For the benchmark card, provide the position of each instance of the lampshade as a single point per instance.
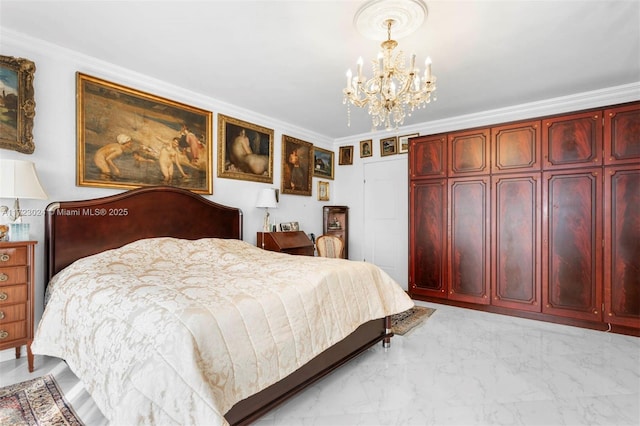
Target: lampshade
(18, 179)
(267, 199)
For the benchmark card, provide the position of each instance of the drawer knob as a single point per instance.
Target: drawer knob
(1, 315)
(3, 334)
(3, 277)
(4, 257)
(3, 296)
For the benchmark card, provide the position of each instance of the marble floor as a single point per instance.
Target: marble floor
(461, 367)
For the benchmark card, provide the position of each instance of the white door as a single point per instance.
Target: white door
(386, 221)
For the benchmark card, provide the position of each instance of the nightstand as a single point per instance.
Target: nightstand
(16, 296)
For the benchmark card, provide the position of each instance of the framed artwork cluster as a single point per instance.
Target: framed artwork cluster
(388, 146)
(128, 138)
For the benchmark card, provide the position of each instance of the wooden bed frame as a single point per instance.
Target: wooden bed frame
(76, 229)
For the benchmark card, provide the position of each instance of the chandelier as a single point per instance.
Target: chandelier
(395, 89)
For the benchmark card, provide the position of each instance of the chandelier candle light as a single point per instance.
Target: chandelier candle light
(395, 90)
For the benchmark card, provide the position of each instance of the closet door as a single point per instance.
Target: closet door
(428, 157)
(516, 147)
(622, 246)
(428, 238)
(469, 152)
(572, 250)
(469, 241)
(516, 237)
(622, 135)
(572, 141)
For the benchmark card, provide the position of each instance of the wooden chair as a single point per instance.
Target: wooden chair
(330, 246)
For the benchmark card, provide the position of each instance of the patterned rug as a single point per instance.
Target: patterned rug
(35, 402)
(404, 321)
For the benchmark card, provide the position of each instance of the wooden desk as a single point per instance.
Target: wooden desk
(292, 242)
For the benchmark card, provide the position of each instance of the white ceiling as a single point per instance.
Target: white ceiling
(287, 59)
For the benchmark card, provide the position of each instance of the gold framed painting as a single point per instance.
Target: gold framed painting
(366, 148)
(346, 155)
(296, 166)
(245, 150)
(323, 191)
(322, 163)
(127, 138)
(403, 142)
(17, 104)
(388, 146)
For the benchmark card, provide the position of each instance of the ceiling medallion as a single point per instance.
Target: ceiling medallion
(395, 90)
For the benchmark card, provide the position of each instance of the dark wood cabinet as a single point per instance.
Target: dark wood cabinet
(622, 135)
(291, 242)
(516, 147)
(428, 238)
(622, 246)
(538, 218)
(335, 221)
(572, 249)
(515, 242)
(469, 152)
(572, 141)
(469, 239)
(429, 159)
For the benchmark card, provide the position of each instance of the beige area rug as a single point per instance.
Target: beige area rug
(35, 402)
(404, 321)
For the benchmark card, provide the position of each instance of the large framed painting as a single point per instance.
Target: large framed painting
(296, 166)
(17, 104)
(127, 138)
(245, 150)
(322, 163)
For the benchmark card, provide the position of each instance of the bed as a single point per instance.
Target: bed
(135, 309)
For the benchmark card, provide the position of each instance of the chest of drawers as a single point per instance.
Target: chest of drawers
(16, 296)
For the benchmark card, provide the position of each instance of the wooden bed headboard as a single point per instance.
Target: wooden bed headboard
(76, 229)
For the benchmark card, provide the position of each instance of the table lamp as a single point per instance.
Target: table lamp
(267, 200)
(18, 179)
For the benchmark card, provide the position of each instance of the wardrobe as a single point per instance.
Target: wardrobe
(538, 218)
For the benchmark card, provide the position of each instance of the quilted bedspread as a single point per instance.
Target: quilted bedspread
(170, 331)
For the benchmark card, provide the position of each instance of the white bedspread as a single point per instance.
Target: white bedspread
(168, 331)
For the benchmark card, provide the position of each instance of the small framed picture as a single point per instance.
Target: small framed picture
(388, 146)
(366, 148)
(323, 191)
(322, 163)
(403, 142)
(285, 227)
(346, 155)
(289, 226)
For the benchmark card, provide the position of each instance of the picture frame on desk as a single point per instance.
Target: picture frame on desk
(289, 226)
